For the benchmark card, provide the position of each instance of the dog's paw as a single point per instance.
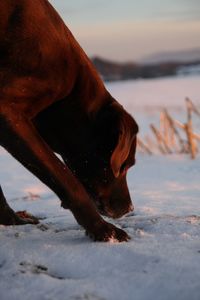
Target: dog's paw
(23, 217)
(9, 217)
(106, 232)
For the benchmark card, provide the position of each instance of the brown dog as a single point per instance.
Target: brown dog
(53, 100)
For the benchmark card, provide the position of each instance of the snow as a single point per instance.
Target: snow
(140, 95)
(56, 260)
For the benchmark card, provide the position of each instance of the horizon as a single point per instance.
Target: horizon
(131, 31)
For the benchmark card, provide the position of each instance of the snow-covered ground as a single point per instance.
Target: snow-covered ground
(55, 260)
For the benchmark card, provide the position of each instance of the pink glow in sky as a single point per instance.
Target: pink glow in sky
(128, 30)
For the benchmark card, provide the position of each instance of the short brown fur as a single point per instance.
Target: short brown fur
(52, 100)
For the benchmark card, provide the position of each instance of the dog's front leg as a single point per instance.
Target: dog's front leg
(19, 136)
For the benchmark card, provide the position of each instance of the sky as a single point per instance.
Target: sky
(129, 30)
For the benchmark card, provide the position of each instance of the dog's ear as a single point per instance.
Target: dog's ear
(126, 137)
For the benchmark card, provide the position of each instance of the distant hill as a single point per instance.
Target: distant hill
(173, 56)
(111, 70)
(168, 64)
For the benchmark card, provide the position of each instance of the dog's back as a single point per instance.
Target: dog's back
(40, 57)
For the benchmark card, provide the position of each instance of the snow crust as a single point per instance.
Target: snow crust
(56, 260)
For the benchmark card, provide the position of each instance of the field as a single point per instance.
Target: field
(55, 260)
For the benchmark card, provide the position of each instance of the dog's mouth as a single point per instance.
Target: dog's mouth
(102, 204)
(106, 211)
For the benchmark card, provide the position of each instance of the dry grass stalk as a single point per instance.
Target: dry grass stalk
(164, 130)
(189, 133)
(175, 131)
(182, 126)
(144, 147)
(160, 140)
(192, 106)
(169, 139)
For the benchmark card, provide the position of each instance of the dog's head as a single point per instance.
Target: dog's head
(102, 157)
